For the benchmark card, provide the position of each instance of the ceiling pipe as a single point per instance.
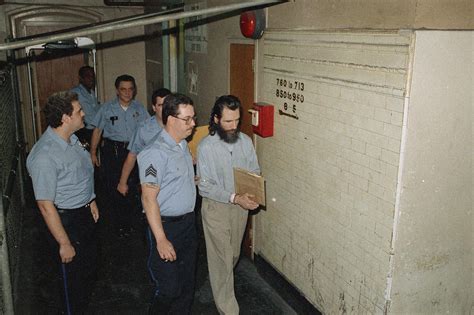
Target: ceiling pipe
(133, 22)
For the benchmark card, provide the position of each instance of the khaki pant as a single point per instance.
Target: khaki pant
(224, 228)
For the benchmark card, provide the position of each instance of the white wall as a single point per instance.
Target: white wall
(433, 250)
(332, 173)
(212, 66)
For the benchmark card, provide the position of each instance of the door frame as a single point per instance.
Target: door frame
(20, 23)
(249, 239)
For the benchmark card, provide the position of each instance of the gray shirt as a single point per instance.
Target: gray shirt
(169, 165)
(89, 104)
(61, 172)
(216, 160)
(145, 134)
(119, 124)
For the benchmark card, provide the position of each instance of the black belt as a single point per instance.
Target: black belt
(86, 206)
(123, 144)
(175, 218)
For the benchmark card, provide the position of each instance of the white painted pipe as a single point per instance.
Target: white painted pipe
(134, 22)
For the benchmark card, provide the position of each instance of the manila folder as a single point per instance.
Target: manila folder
(246, 182)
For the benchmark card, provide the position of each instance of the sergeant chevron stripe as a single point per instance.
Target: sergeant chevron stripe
(150, 170)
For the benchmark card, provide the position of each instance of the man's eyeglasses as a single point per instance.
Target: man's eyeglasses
(187, 120)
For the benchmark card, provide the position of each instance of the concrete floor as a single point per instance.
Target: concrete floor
(123, 285)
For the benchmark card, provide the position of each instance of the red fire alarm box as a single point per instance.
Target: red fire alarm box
(262, 119)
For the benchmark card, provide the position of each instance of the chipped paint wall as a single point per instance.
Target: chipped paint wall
(433, 248)
(332, 164)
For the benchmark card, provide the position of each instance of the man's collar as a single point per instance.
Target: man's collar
(168, 139)
(117, 102)
(61, 142)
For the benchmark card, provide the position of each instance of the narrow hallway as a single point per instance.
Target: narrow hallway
(123, 285)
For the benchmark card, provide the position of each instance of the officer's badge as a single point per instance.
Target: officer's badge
(150, 171)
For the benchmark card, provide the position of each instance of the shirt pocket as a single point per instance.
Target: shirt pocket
(177, 170)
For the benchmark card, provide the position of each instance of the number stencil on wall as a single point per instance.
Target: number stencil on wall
(291, 93)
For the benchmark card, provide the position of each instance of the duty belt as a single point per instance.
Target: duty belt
(86, 206)
(169, 219)
(122, 144)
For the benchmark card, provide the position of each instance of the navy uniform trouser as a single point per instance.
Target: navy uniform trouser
(174, 281)
(77, 277)
(124, 211)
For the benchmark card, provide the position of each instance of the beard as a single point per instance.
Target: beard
(228, 136)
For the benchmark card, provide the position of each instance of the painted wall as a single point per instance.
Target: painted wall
(373, 14)
(433, 248)
(332, 174)
(331, 166)
(212, 64)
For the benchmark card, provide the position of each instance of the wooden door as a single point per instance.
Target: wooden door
(242, 81)
(55, 75)
(242, 86)
(54, 71)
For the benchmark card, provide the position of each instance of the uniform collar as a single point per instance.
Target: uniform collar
(60, 141)
(117, 103)
(170, 141)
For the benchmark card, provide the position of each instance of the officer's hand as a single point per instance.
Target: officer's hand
(245, 201)
(94, 211)
(122, 188)
(166, 250)
(95, 160)
(67, 252)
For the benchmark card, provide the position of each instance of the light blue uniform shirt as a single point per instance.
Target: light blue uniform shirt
(118, 124)
(61, 172)
(89, 104)
(145, 134)
(216, 160)
(169, 165)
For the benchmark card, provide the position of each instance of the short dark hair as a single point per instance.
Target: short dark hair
(84, 69)
(125, 77)
(57, 105)
(162, 92)
(171, 105)
(229, 101)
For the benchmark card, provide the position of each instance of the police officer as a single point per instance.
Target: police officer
(117, 121)
(63, 182)
(168, 195)
(86, 93)
(145, 133)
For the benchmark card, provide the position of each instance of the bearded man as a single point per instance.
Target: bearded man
(224, 213)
